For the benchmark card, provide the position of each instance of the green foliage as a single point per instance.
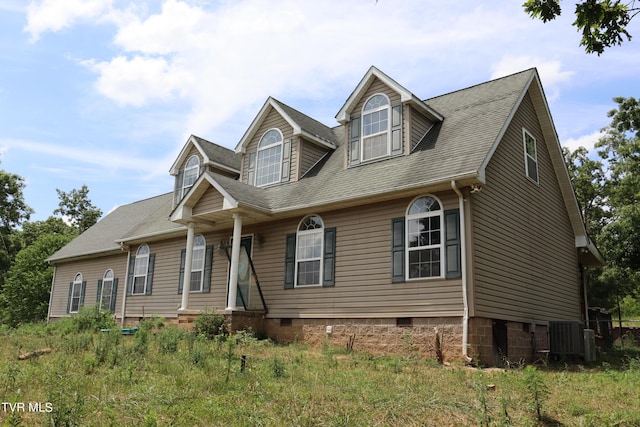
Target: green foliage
(210, 324)
(169, 338)
(538, 391)
(603, 23)
(93, 319)
(25, 294)
(77, 207)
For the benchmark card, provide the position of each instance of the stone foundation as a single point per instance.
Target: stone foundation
(415, 336)
(524, 342)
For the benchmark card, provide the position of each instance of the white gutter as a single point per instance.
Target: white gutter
(53, 282)
(124, 294)
(463, 265)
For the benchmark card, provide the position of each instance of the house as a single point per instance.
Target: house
(451, 217)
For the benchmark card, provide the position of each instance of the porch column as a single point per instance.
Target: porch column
(186, 280)
(235, 257)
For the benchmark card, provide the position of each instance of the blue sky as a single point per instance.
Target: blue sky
(106, 92)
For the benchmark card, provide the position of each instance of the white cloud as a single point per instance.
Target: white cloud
(54, 15)
(551, 73)
(586, 141)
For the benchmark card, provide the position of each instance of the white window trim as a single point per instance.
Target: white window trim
(146, 271)
(526, 133)
(185, 188)
(104, 280)
(202, 247)
(320, 258)
(408, 217)
(76, 282)
(373, 135)
(267, 147)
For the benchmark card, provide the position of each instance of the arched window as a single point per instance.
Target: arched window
(269, 160)
(424, 238)
(75, 294)
(106, 291)
(191, 171)
(375, 127)
(309, 251)
(140, 270)
(197, 264)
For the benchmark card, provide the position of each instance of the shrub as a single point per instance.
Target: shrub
(93, 318)
(210, 324)
(168, 339)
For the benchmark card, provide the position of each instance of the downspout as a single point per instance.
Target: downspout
(124, 294)
(463, 265)
(53, 282)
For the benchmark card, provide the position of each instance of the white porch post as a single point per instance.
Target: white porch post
(186, 280)
(235, 257)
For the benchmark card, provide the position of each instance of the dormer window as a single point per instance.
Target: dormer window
(269, 158)
(375, 127)
(187, 177)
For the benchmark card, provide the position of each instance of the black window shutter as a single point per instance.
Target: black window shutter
(114, 294)
(452, 243)
(251, 169)
(396, 129)
(99, 290)
(397, 250)
(132, 263)
(354, 141)
(208, 262)
(70, 297)
(152, 261)
(82, 292)
(290, 262)
(329, 273)
(286, 160)
(178, 188)
(183, 255)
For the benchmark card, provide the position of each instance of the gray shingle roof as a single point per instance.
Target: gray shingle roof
(101, 238)
(219, 154)
(454, 148)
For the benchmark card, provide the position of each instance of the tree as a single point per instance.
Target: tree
(33, 230)
(13, 212)
(25, 295)
(76, 206)
(603, 23)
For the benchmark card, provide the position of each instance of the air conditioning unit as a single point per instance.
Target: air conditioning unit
(566, 338)
(589, 345)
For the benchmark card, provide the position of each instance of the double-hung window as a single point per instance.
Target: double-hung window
(197, 264)
(375, 127)
(107, 293)
(76, 293)
(424, 238)
(530, 156)
(191, 171)
(140, 269)
(309, 251)
(269, 158)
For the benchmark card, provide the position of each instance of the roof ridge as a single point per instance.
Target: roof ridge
(480, 84)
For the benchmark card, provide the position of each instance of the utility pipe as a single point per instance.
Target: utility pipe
(463, 264)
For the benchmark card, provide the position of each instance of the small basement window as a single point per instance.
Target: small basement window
(403, 322)
(286, 322)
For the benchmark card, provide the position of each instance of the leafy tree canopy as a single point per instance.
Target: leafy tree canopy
(77, 207)
(25, 295)
(603, 23)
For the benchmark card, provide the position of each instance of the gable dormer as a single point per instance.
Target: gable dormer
(383, 119)
(197, 156)
(281, 145)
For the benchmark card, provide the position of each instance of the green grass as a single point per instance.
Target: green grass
(173, 378)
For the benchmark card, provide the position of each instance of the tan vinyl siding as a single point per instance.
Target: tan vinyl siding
(419, 127)
(92, 270)
(273, 120)
(211, 201)
(309, 156)
(525, 261)
(363, 285)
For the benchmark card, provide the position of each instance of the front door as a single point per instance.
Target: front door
(244, 271)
